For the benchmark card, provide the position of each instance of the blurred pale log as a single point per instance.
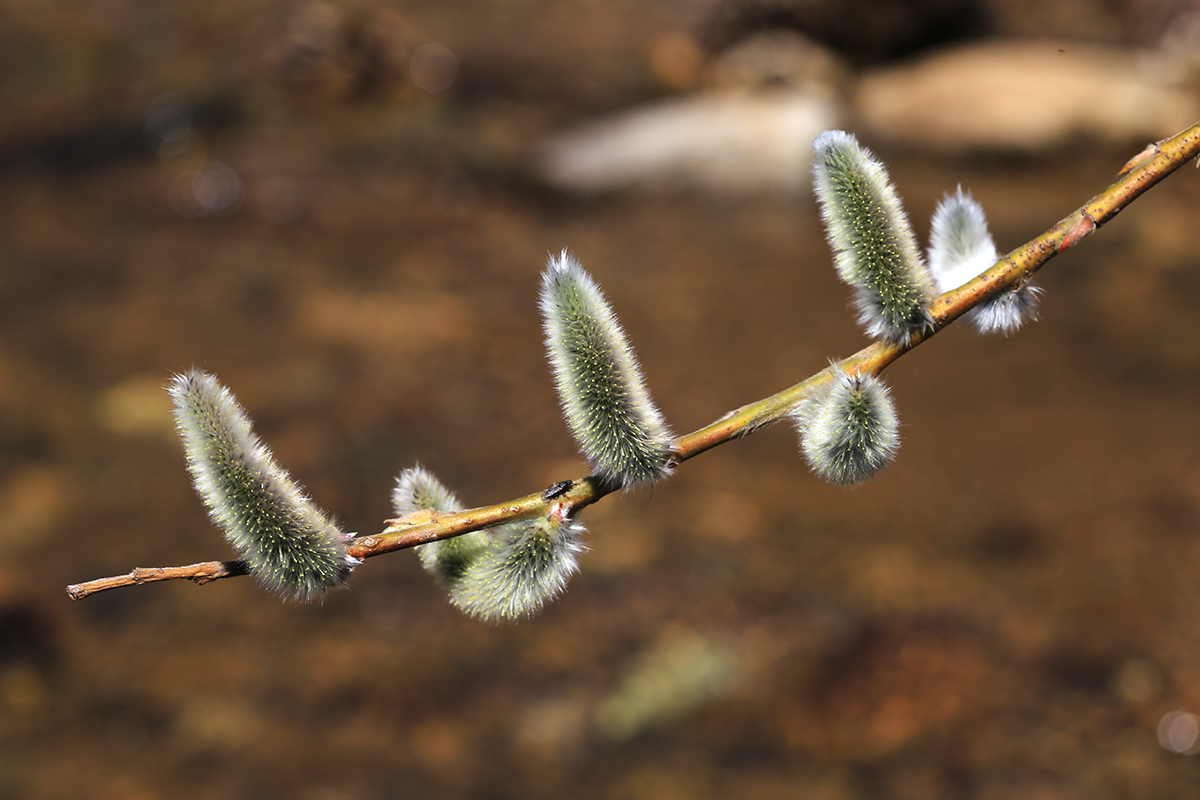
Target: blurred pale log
(724, 143)
(1023, 96)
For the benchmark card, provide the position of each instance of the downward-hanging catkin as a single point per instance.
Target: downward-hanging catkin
(849, 429)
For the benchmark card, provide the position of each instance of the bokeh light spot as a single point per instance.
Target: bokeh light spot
(433, 67)
(213, 190)
(168, 124)
(1178, 731)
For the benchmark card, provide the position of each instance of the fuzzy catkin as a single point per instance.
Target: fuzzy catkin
(874, 248)
(447, 559)
(849, 430)
(603, 395)
(960, 246)
(961, 249)
(528, 566)
(417, 489)
(288, 543)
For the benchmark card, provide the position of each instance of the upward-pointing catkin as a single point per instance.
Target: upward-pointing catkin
(873, 243)
(603, 396)
(961, 249)
(285, 539)
(418, 490)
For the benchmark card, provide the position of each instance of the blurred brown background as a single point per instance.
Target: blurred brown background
(338, 209)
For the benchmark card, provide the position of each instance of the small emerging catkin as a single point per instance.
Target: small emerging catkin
(874, 248)
(528, 565)
(961, 249)
(849, 430)
(418, 490)
(285, 539)
(603, 396)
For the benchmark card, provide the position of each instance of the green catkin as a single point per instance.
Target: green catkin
(288, 543)
(529, 565)
(603, 396)
(875, 250)
(447, 559)
(849, 430)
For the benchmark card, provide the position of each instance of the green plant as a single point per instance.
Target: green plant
(506, 560)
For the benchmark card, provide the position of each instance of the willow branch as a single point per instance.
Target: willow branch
(1142, 172)
(197, 573)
